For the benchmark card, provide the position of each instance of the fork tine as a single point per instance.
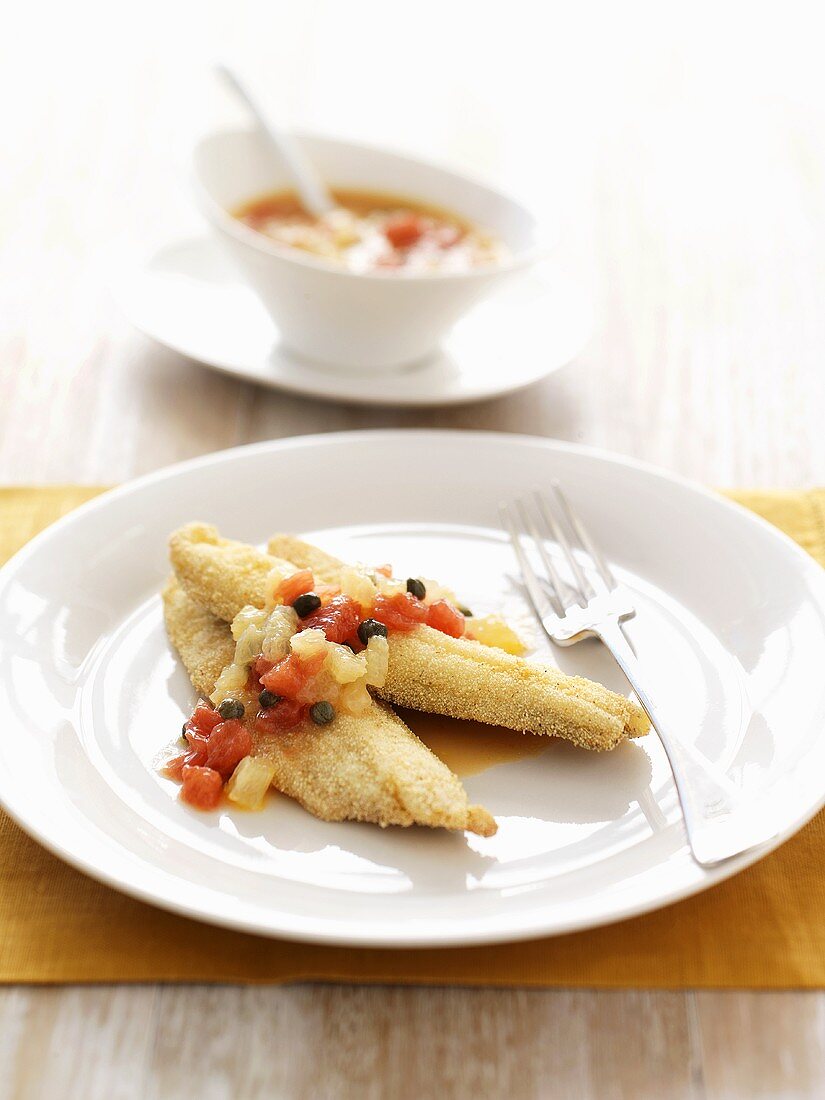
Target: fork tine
(586, 589)
(540, 602)
(578, 528)
(554, 581)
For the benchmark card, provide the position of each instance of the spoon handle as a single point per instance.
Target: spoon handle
(315, 197)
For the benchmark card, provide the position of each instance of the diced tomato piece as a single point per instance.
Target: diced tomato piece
(338, 619)
(290, 589)
(290, 674)
(261, 667)
(229, 743)
(204, 719)
(402, 611)
(441, 615)
(403, 230)
(282, 716)
(174, 766)
(312, 665)
(201, 787)
(408, 604)
(284, 678)
(198, 744)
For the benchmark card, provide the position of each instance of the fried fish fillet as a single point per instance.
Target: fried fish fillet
(433, 672)
(428, 670)
(370, 768)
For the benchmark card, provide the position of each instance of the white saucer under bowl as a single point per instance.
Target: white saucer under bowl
(189, 297)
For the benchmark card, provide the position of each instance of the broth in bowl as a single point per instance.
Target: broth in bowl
(371, 232)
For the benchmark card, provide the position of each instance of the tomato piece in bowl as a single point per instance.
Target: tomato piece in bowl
(404, 230)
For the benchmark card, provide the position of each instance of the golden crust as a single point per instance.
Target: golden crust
(203, 641)
(220, 574)
(305, 556)
(463, 679)
(430, 671)
(369, 768)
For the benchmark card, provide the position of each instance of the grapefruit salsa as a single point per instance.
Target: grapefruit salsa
(314, 651)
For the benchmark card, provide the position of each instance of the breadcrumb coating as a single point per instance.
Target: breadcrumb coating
(430, 671)
(220, 574)
(460, 678)
(370, 768)
(306, 556)
(203, 641)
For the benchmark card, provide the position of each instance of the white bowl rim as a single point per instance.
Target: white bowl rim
(231, 225)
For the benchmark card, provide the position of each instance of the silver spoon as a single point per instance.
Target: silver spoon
(315, 198)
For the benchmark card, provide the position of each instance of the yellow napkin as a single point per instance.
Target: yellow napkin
(763, 928)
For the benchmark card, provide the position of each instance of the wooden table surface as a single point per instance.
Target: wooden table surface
(684, 157)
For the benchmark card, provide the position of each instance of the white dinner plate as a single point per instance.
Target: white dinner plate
(730, 631)
(189, 297)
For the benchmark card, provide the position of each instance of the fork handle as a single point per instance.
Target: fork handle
(717, 824)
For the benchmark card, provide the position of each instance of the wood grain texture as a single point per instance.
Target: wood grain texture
(686, 152)
(223, 1042)
(336, 1041)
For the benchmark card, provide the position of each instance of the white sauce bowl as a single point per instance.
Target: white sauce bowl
(341, 318)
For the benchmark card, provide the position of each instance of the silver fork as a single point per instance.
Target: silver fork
(595, 605)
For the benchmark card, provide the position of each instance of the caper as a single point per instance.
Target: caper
(370, 628)
(230, 708)
(416, 587)
(465, 611)
(322, 713)
(183, 732)
(306, 604)
(268, 699)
